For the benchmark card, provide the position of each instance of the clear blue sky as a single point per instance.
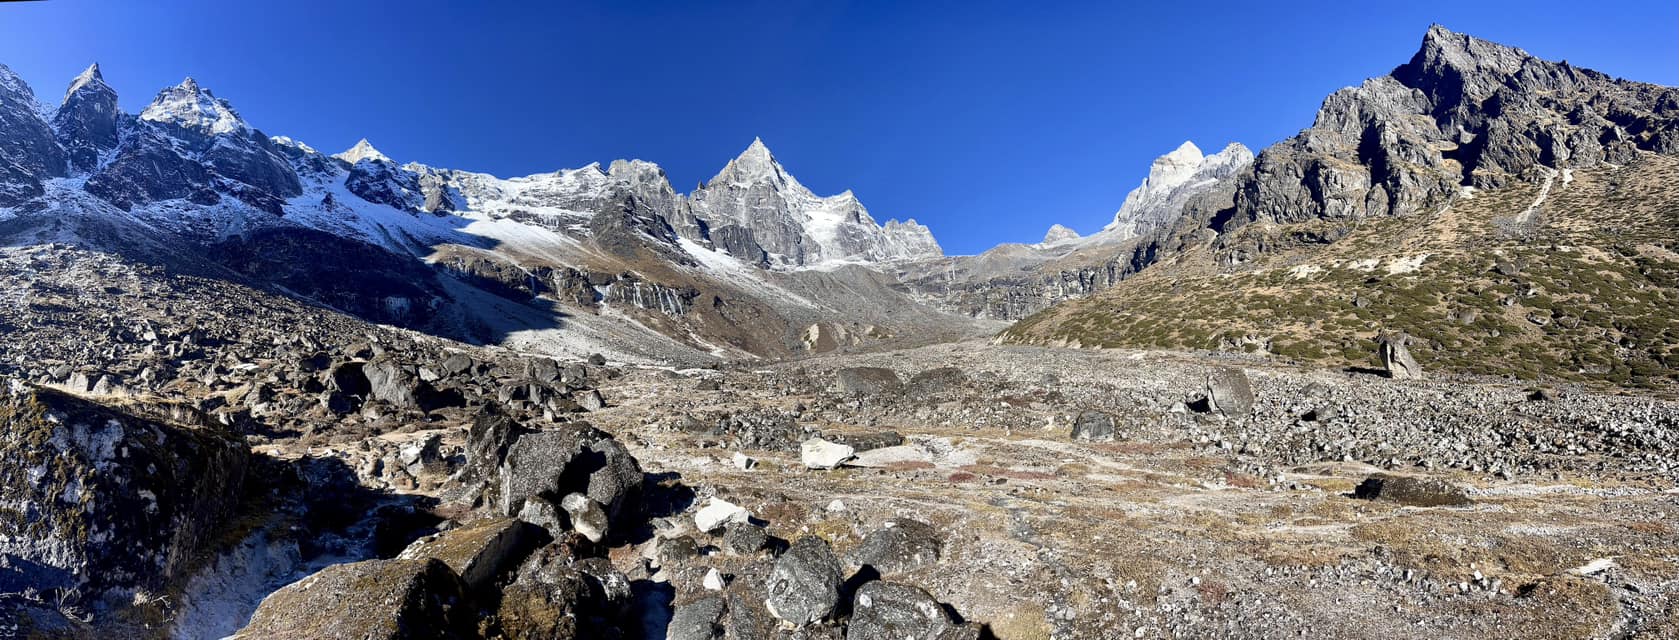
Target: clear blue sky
(986, 121)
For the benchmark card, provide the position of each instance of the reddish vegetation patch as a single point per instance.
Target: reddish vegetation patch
(909, 465)
(1243, 480)
(963, 476)
(1213, 593)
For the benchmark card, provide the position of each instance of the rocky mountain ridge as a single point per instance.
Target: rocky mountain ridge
(1506, 210)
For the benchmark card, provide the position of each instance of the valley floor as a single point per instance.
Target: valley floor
(1190, 525)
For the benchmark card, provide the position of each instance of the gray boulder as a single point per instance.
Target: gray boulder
(890, 611)
(102, 501)
(1410, 490)
(1094, 426)
(698, 620)
(804, 583)
(369, 600)
(1396, 358)
(1229, 392)
(900, 545)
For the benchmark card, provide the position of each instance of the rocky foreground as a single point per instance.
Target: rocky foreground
(384, 484)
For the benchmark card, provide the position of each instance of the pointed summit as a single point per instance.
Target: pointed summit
(86, 121)
(189, 106)
(754, 165)
(1447, 54)
(89, 78)
(362, 151)
(1058, 234)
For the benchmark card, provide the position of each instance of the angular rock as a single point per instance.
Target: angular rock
(889, 611)
(744, 538)
(804, 583)
(817, 453)
(586, 515)
(478, 553)
(900, 545)
(698, 620)
(1229, 392)
(1396, 358)
(1094, 426)
(1410, 490)
(369, 600)
(542, 513)
(718, 512)
(937, 381)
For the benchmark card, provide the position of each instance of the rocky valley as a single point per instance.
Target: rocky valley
(1410, 373)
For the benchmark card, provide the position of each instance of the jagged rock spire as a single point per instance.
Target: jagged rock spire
(86, 122)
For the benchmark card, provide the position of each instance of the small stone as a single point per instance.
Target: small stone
(713, 580)
(743, 461)
(587, 516)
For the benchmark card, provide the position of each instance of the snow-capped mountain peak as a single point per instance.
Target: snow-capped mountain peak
(89, 77)
(363, 150)
(1172, 179)
(189, 106)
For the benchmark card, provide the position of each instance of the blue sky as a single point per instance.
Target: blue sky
(986, 121)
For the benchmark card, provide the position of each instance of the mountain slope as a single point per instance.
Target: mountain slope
(1512, 214)
(595, 259)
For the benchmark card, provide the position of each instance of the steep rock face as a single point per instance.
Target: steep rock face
(1462, 112)
(795, 226)
(86, 122)
(99, 500)
(28, 151)
(376, 178)
(1173, 179)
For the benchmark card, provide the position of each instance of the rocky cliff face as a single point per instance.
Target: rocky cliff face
(86, 122)
(1172, 181)
(28, 152)
(1463, 112)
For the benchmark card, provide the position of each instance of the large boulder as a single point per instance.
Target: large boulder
(1094, 426)
(804, 583)
(574, 458)
(479, 553)
(1410, 490)
(868, 381)
(698, 620)
(817, 453)
(890, 611)
(1229, 392)
(558, 595)
(369, 600)
(106, 502)
(1396, 358)
(901, 544)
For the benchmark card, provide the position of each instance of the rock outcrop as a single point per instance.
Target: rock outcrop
(105, 502)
